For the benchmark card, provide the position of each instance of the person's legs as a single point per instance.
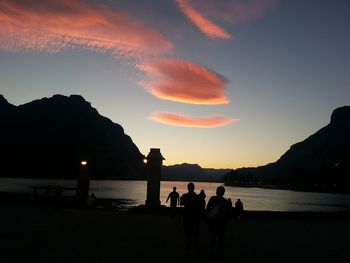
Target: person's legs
(189, 244)
(212, 242)
(195, 243)
(173, 211)
(196, 236)
(220, 241)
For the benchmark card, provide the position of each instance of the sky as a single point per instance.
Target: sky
(220, 83)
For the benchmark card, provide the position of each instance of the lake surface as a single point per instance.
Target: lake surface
(252, 198)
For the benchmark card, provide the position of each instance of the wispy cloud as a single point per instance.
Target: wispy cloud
(183, 81)
(202, 23)
(55, 24)
(174, 119)
(236, 11)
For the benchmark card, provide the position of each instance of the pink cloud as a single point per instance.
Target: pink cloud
(183, 81)
(237, 11)
(186, 121)
(53, 25)
(203, 24)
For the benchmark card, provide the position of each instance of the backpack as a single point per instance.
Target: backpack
(214, 213)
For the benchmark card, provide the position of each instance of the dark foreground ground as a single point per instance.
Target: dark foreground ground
(44, 234)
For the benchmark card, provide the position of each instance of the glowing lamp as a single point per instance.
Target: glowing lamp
(82, 193)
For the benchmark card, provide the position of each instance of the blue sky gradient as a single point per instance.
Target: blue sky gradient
(286, 71)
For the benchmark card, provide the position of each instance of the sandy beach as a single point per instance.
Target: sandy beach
(44, 234)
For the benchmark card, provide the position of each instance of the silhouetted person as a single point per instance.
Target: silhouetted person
(35, 196)
(174, 200)
(58, 196)
(191, 217)
(92, 200)
(239, 208)
(202, 197)
(48, 195)
(48, 192)
(232, 209)
(218, 210)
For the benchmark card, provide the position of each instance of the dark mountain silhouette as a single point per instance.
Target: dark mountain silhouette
(320, 161)
(192, 172)
(47, 138)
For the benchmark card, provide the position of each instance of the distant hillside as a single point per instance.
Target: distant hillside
(46, 138)
(192, 172)
(322, 160)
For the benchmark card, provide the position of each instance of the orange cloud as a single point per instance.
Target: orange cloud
(55, 24)
(235, 10)
(183, 81)
(186, 121)
(203, 24)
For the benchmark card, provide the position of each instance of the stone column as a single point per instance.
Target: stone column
(154, 165)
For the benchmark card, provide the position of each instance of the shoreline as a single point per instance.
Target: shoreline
(306, 189)
(130, 207)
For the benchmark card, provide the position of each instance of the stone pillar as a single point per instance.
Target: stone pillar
(82, 194)
(154, 165)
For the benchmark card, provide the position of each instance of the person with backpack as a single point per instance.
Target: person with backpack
(217, 213)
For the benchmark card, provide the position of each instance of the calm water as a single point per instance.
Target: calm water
(253, 198)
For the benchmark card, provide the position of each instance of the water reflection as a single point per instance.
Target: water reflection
(253, 198)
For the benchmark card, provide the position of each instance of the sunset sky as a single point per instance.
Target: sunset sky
(221, 83)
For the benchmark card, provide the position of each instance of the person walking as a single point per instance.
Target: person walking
(217, 213)
(202, 202)
(239, 208)
(174, 201)
(191, 218)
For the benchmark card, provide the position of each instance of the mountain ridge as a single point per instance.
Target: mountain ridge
(192, 172)
(322, 159)
(48, 136)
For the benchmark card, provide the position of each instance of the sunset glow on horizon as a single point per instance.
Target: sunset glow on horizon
(221, 83)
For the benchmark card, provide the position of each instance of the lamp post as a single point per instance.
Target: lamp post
(154, 165)
(83, 183)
